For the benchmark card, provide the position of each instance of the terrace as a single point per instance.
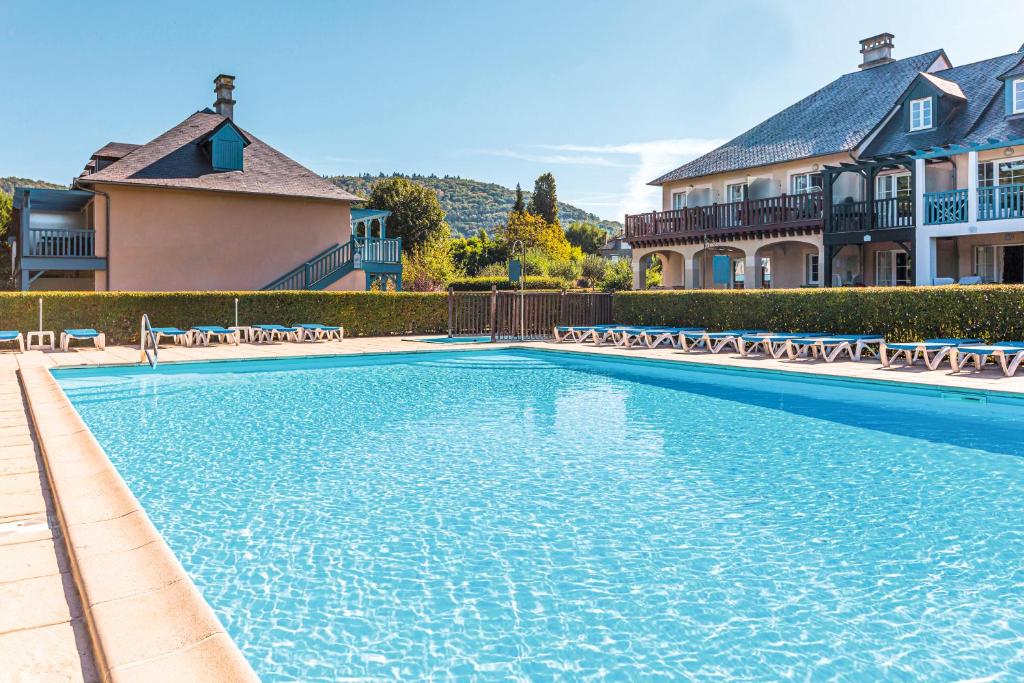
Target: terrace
(52, 236)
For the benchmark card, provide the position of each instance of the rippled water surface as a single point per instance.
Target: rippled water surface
(526, 515)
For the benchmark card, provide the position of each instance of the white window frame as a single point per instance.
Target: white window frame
(879, 180)
(920, 105)
(1017, 94)
(746, 191)
(993, 165)
(812, 269)
(992, 260)
(807, 183)
(672, 200)
(891, 278)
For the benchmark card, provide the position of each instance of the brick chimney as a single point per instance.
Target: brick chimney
(877, 50)
(223, 86)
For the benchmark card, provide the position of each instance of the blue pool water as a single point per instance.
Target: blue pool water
(535, 515)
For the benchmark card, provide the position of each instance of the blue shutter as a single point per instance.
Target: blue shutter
(1009, 96)
(721, 267)
(227, 155)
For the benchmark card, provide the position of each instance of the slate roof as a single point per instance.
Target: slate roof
(834, 119)
(176, 160)
(981, 117)
(115, 150)
(948, 87)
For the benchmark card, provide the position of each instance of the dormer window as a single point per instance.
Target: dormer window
(921, 114)
(1018, 96)
(224, 147)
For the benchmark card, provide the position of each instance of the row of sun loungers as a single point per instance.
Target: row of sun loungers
(201, 335)
(1009, 355)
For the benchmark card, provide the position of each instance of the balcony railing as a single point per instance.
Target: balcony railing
(942, 208)
(880, 214)
(772, 211)
(60, 242)
(1000, 202)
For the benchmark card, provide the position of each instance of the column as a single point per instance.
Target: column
(924, 247)
(750, 272)
(638, 272)
(972, 187)
(689, 272)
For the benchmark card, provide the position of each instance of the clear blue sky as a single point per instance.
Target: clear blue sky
(606, 95)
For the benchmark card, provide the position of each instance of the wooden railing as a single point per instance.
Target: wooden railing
(1000, 202)
(387, 250)
(60, 242)
(781, 210)
(948, 206)
(371, 250)
(880, 214)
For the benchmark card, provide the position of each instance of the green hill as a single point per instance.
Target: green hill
(471, 204)
(8, 183)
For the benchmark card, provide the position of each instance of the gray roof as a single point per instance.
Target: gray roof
(833, 119)
(115, 150)
(176, 160)
(981, 117)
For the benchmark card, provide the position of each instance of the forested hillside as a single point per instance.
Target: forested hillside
(472, 204)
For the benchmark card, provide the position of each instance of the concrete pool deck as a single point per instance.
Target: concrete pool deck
(91, 615)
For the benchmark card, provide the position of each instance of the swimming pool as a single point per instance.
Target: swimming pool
(533, 514)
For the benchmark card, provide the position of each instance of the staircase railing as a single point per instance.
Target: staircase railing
(146, 337)
(325, 263)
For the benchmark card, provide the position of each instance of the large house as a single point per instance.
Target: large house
(204, 206)
(906, 171)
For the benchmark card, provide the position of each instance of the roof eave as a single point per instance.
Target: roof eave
(157, 186)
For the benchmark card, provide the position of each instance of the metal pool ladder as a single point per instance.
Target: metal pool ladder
(147, 336)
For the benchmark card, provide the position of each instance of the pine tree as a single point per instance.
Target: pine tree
(544, 201)
(520, 205)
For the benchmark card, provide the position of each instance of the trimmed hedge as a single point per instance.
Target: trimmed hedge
(118, 313)
(484, 284)
(991, 312)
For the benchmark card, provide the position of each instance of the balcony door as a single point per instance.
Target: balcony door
(892, 268)
(893, 200)
(1006, 198)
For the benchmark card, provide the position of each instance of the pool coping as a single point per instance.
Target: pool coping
(145, 616)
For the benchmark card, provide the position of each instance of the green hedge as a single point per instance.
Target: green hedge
(993, 312)
(118, 313)
(484, 284)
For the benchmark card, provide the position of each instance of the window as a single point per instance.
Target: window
(766, 272)
(736, 192)
(1000, 173)
(678, 200)
(812, 275)
(921, 113)
(986, 177)
(985, 263)
(895, 185)
(739, 271)
(805, 182)
(892, 268)
(1018, 96)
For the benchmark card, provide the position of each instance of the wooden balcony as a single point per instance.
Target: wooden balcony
(880, 214)
(740, 219)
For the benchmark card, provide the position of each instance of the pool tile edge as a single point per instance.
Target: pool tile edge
(182, 633)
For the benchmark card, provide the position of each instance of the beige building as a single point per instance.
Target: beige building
(204, 206)
(824, 192)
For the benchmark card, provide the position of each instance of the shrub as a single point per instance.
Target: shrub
(619, 276)
(594, 268)
(992, 312)
(118, 313)
(481, 284)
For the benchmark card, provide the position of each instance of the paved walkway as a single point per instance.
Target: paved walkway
(42, 636)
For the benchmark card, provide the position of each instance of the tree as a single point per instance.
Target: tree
(5, 214)
(618, 277)
(416, 214)
(586, 236)
(520, 205)
(473, 254)
(534, 231)
(544, 201)
(429, 266)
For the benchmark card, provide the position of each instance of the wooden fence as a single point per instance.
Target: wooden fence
(506, 315)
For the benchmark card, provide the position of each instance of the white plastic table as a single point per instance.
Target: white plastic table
(36, 339)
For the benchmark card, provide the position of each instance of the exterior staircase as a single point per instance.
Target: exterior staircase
(375, 256)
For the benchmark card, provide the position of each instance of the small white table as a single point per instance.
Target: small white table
(36, 339)
(245, 333)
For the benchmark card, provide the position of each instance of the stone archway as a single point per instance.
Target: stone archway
(673, 267)
(788, 264)
(703, 267)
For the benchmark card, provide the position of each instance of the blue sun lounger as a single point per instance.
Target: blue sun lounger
(82, 334)
(715, 342)
(13, 336)
(317, 332)
(652, 338)
(1009, 355)
(627, 337)
(774, 344)
(830, 347)
(268, 333)
(176, 335)
(203, 333)
(933, 351)
(578, 333)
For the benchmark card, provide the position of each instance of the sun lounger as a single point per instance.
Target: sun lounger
(14, 336)
(176, 335)
(715, 342)
(268, 333)
(317, 332)
(863, 344)
(203, 333)
(82, 334)
(578, 333)
(830, 348)
(772, 344)
(933, 351)
(1009, 355)
(654, 337)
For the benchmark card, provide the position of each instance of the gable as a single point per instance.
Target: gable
(225, 147)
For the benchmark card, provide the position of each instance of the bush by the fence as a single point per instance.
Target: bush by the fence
(118, 313)
(991, 312)
(484, 284)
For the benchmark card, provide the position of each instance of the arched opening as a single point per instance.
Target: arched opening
(662, 269)
(720, 267)
(789, 264)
